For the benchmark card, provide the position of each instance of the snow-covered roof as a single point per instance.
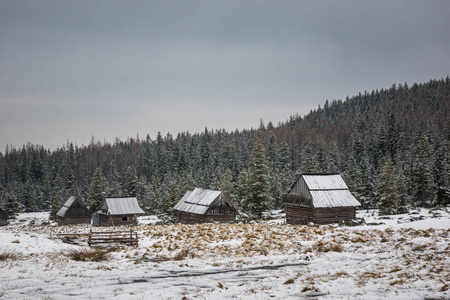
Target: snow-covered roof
(333, 198)
(67, 205)
(197, 201)
(325, 182)
(324, 190)
(121, 206)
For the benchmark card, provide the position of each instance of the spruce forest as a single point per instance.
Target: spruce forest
(391, 145)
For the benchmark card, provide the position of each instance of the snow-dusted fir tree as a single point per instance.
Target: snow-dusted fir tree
(365, 185)
(442, 174)
(169, 200)
(258, 198)
(11, 205)
(56, 205)
(154, 193)
(391, 190)
(115, 188)
(98, 190)
(46, 195)
(130, 182)
(228, 187)
(423, 177)
(141, 191)
(308, 163)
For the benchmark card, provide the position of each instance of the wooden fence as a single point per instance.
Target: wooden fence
(111, 237)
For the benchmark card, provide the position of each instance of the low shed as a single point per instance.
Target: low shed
(321, 199)
(3, 217)
(201, 205)
(117, 212)
(73, 212)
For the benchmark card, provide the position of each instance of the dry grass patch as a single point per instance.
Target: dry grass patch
(95, 255)
(9, 254)
(397, 281)
(322, 246)
(289, 281)
(183, 254)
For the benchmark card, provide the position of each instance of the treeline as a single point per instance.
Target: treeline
(405, 127)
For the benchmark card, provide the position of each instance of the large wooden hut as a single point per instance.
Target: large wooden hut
(201, 205)
(117, 212)
(3, 217)
(73, 212)
(321, 199)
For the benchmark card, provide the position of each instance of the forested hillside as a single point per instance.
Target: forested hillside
(391, 145)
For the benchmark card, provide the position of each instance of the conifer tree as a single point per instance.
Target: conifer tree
(98, 190)
(115, 188)
(242, 189)
(154, 193)
(308, 163)
(186, 183)
(422, 173)
(141, 191)
(442, 175)
(364, 188)
(12, 206)
(130, 182)
(56, 205)
(46, 196)
(169, 200)
(218, 174)
(258, 199)
(228, 187)
(352, 175)
(390, 197)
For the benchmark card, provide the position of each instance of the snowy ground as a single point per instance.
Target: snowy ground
(399, 257)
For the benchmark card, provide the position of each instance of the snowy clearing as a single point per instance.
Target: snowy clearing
(397, 257)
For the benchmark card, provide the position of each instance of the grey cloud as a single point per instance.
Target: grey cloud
(86, 58)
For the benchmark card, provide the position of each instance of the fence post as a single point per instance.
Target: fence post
(89, 237)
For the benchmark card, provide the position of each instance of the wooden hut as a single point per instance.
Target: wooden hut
(3, 217)
(321, 199)
(201, 205)
(73, 212)
(117, 212)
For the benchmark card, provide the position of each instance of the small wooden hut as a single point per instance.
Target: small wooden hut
(117, 212)
(73, 212)
(201, 205)
(3, 217)
(321, 199)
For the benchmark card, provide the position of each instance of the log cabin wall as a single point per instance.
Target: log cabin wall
(334, 215)
(74, 220)
(300, 187)
(304, 215)
(191, 218)
(119, 220)
(298, 215)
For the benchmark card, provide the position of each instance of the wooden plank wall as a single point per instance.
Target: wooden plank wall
(74, 220)
(298, 215)
(108, 220)
(334, 215)
(303, 215)
(190, 218)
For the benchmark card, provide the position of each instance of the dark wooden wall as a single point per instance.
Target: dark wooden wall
(190, 218)
(303, 215)
(74, 220)
(108, 220)
(77, 210)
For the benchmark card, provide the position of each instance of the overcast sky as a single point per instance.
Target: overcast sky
(70, 70)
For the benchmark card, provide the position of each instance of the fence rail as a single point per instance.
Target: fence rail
(111, 237)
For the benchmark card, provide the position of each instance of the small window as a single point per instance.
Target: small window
(124, 219)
